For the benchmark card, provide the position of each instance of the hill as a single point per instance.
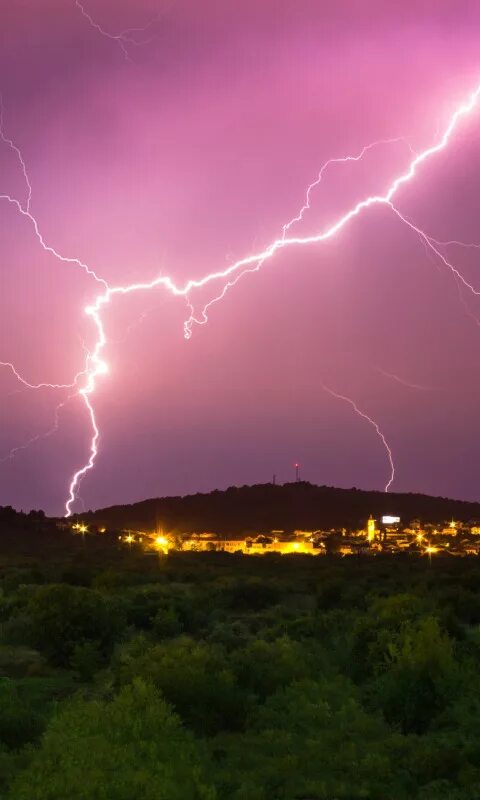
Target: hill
(266, 507)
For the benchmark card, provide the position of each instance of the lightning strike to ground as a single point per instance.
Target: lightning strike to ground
(374, 425)
(95, 365)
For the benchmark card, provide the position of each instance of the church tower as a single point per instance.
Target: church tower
(370, 529)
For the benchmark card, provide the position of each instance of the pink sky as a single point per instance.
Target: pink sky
(192, 154)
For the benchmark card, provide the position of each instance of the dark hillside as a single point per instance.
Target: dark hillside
(266, 507)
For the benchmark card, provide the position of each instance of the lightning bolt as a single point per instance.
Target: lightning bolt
(408, 384)
(39, 436)
(374, 425)
(24, 210)
(29, 385)
(339, 160)
(465, 246)
(457, 243)
(257, 261)
(193, 320)
(6, 140)
(95, 365)
(430, 244)
(47, 247)
(122, 39)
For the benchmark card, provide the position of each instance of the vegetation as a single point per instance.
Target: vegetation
(247, 509)
(207, 676)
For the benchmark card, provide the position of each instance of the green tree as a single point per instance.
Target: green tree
(193, 676)
(311, 740)
(19, 722)
(375, 630)
(166, 623)
(420, 676)
(64, 617)
(130, 748)
(263, 667)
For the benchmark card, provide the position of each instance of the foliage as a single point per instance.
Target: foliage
(193, 676)
(266, 507)
(130, 748)
(209, 676)
(310, 740)
(19, 721)
(64, 617)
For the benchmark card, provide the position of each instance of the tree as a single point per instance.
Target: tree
(419, 678)
(263, 667)
(311, 740)
(19, 722)
(193, 676)
(64, 617)
(130, 748)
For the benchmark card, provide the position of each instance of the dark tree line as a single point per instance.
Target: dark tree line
(267, 507)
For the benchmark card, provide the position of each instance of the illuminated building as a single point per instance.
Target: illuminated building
(388, 519)
(451, 528)
(371, 529)
(453, 539)
(162, 544)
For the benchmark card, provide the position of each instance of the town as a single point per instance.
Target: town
(386, 535)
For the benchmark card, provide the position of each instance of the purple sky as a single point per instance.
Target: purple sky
(192, 154)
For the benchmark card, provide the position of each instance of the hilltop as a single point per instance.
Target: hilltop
(266, 507)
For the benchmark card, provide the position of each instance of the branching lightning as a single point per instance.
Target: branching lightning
(296, 219)
(408, 384)
(374, 425)
(430, 243)
(48, 248)
(340, 160)
(29, 385)
(457, 243)
(6, 140)
(39, 436)
(124, 38)
(96, 366)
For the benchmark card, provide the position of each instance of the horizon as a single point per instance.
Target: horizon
(275, 485)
